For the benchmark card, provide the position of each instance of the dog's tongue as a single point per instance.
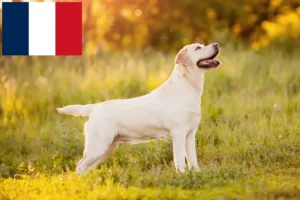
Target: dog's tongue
(209, 62)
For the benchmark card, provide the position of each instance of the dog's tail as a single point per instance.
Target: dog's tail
(77, 110)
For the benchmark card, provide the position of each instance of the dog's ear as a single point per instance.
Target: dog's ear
(183, 58)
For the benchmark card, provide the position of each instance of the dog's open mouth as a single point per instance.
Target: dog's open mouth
(210, 62)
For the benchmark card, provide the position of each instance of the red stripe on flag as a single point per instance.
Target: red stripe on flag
(68, 28)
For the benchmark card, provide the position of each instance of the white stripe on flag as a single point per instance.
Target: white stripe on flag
(42, 28)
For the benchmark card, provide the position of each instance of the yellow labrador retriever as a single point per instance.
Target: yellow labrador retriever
(170, 111)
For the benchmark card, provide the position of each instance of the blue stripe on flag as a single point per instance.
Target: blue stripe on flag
(15, 34)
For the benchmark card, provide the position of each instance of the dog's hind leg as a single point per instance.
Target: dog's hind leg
(104, 156)
(98, 146)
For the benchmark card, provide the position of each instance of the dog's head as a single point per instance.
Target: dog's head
(198, 56)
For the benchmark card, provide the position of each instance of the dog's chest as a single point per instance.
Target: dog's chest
(186, 116)
(194, 119)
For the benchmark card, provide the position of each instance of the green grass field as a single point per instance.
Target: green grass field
(248, 143)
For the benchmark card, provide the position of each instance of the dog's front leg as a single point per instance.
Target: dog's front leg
(190, 150)
(178, 139)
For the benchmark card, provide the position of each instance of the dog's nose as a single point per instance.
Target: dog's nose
(216, 45)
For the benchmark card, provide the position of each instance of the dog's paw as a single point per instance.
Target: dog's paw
(80, 169)
(180, 170)
(196, 169)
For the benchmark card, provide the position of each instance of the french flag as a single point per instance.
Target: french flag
(42, 28)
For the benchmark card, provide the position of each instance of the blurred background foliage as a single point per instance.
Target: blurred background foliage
(112, 25)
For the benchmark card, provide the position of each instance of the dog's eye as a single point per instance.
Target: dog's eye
(197, 48)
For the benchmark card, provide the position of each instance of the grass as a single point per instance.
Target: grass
(247, 143)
